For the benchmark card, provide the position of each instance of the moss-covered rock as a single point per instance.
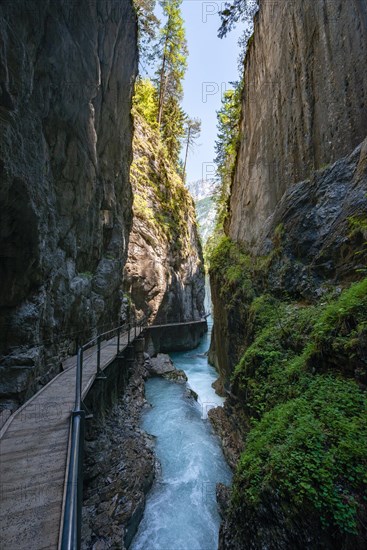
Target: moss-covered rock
(299, 380)
(164, 273)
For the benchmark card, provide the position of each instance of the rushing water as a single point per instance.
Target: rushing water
(181, 511)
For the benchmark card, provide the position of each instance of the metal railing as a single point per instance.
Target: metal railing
(72, 516)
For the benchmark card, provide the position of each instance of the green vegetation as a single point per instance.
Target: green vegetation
(299, 382)
(158, 100)
(160, 197)
(147, 28)
(311, 449)
(228, 121)
(86, 274)
(236, 11)
(358, 226)
(192, 133)
(171, 51)
(358, 223)
(145, 101)
(232, 266)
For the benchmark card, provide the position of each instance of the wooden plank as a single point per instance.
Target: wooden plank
(33, 455)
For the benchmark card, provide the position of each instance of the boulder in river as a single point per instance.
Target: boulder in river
(162, 366)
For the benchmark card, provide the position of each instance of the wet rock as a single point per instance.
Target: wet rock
(176, 375)
(65, 194)
(191, 394)
(223, 494)
(219, 388)
(231, 426)
(162, 364)
(119, 469)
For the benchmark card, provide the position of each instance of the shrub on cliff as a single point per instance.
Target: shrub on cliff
(308, 442)
(301, 382)
(310, 450)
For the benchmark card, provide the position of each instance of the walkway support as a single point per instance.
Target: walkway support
(72, 517)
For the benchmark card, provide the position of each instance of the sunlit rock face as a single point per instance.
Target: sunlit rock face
(300, 176)
(164, 273)
(66, 76)
(297, 215)
(308, 245)
(304, 102)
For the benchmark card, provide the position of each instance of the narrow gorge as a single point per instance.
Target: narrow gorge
(183, 351)
(289, 288)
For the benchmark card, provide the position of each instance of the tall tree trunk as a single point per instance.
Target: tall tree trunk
(186, 154)
(162, 86)
(162, 76)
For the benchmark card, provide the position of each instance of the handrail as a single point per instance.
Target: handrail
(72, 516)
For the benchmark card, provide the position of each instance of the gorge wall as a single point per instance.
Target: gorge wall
(304, 103)
(288, 284)
(312, 233)
(164, 272)
(66, 78)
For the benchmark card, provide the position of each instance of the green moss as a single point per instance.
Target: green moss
(86, 274)
(310, 450)
(310, 442)
(358, 223)
(160, 197)
(346, 313)
(232, 266)
(295, 381)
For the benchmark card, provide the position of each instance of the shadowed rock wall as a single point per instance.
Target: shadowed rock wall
(66, 75)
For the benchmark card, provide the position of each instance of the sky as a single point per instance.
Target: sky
(212, 65)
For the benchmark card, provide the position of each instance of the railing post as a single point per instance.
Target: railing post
(79, 379)
(79, 497)
(128, 333)
(118, 339)
(135, 328)
(98, 355)
(71, 527)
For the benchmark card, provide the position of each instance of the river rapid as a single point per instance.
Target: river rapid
(181, 511)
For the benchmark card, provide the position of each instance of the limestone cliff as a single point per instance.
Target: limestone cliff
(314, 241)
(304, 102)
(66, 77)
(164, 273)
(289, 287)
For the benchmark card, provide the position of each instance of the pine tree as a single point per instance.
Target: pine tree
(192, 133)
(235, 11)
(172, 128)
(148, 25)
(226, 146)
(172, 51)
(239, 11)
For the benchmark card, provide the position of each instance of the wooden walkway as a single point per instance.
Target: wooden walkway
(183, 324)
(33, 455)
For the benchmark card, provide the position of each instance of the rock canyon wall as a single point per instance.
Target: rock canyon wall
(67, 71)
(304, 102)
(288, 287)
(164, 273)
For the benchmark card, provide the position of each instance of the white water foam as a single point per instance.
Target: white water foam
(181, 511)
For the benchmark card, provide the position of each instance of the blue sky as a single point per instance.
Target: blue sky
(212, 65)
